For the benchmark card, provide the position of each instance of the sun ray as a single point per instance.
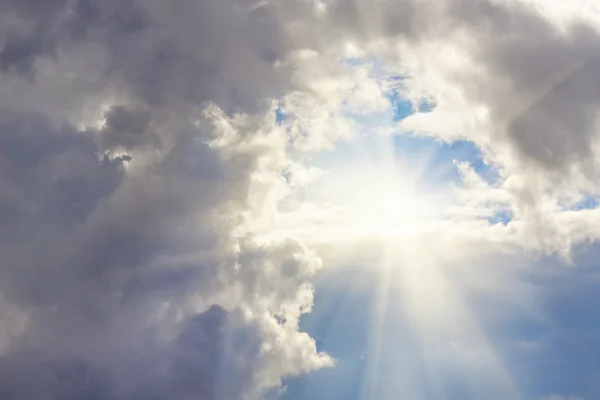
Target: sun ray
(449, 334)
(383, 200)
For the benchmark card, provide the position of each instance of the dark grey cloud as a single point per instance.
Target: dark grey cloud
(126, 129)
(20, 52)
(59, 378)
(119, 218)
(550, 84)
(168, 57)
(559, 129)
(538, 81)
(106, 264)
(208, 359)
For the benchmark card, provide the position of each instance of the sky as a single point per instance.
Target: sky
(299, 199)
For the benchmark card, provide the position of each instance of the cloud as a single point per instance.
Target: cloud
(109, 259)
(515, 78)
(141, 163)
(518, 83)
(136, 153)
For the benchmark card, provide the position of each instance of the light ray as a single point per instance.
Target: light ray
(449, 335)
(383, 200)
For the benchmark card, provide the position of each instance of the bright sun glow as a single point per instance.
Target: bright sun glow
(358, 201)
(390, 207)
(386, 204)
(381, 210)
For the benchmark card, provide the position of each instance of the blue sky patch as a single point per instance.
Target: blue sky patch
(502, 217)
(588, 203)
(403, 107)
(439, 157)
(280, 116)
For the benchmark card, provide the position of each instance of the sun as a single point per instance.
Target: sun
(389, 204)
(392, 208)
(363, 202)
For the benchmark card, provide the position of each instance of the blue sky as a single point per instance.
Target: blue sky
(548, 346)
(559, 353)
(437, 156)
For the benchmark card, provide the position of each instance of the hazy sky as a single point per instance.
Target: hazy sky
(299, 199)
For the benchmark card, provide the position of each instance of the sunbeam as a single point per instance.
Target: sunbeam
(448, 333)
(381, 202)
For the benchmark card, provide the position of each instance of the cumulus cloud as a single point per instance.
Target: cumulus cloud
(137, 151)
(109, 258)
(516, 78)
(517, 81)
(142, 157)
